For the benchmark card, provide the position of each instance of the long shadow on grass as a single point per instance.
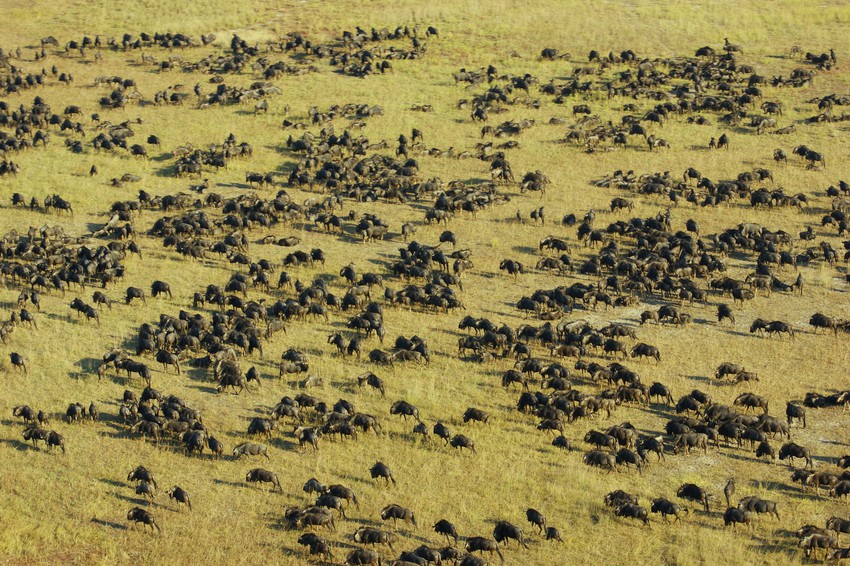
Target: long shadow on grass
(110, 524)
(113, 483)
(18, 444)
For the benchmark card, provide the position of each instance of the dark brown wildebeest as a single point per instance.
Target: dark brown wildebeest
(733, 516)
(362, 557)
(791, 450)
(795, 411)
(600, 439)
(396, 512)
(505, 530)
(725, 312)
(446, 529)
(145, 489)
(442, 431)
(261, 475)
(757, 505)
(536, 518)
(250, 449)
(405, 409)
(483, 544)
(751, 401)
(690, 440)
(141, 473)
(369, 535)
(811, 543)
(660, 390)
(19, 361)
(460, 441)
(167, 358)
(632, 511)
(599, 459)
(381, 470)
(642, 350)
(180, 496)
(693, 492)
(160, 288)
(727, 368)
(666, 507)
(473, 414)
(139, 515)
(135, 293)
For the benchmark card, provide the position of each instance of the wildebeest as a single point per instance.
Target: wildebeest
(791, 450)
(733, 516)
(369, 535)
(139, 515)
(160, 288)
(690, 440)
(396, 512)
(645, 350)
(405, 409)
(135, 293)
(632, 511)
(505, 530)
(19, 361)
(141, 473)
(460, 441)
(483, 544)
(180, 496)
(250, 449)
(446, 529)
(795, 411)
(381, 470)
(666, 507)
(757, 505)
(813, 542)
(599, 459)
(693, 492)
(261, 475)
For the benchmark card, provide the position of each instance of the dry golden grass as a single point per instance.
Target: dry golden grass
(72, 508)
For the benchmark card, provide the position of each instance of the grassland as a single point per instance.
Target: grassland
(72, 508)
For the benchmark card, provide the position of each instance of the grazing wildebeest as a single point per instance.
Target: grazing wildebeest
(139, 515)
(733, 516)
(757, 505)
(536, 518)
(599, 459)
(446, 529)
(362, 557)
(180, 496)
(811, 543)
(396, 512)
(135, 293)
(483, 544)
(751, 401)
(693, 492)
(690, 440)
(795, 411)
(660, 390)
(160, 288)
(666, 507)
(145, 489)
(442, 431)
(141, 474)
(460, 441)
(369, 535)
(19, 361)
(645, 350)
(791, 450)
(381, 470)
(250, 449)
(405, 409)
(261, 475)
(505, 530)
(632, 511)
(473, 414)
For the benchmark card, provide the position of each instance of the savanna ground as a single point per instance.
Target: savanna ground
(72, 508)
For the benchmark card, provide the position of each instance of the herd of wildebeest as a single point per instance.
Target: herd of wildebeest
(567, 371)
